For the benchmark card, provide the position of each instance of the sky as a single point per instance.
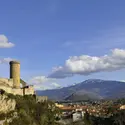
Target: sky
(62, 42)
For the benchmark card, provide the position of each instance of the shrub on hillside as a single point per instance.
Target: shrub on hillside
(32, 113)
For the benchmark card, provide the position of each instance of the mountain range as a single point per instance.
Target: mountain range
(89, 89)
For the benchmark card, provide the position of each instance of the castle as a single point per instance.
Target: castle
(15, 85)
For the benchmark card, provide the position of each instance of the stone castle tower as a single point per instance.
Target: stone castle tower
(13, 84)
(15, 73)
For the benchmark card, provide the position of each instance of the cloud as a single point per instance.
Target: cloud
(5, 60)
(44, 83)
(39, 79)
(122, 81)
(55, 85)
(86, 65)
(4, 43)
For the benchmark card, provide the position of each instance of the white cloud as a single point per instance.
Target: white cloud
(4, 43)
(55, 85)
(38, 79)
(5, 60)
(43, 83)
(86, 65)
(122, 81)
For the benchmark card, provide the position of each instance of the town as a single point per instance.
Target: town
(76, 111)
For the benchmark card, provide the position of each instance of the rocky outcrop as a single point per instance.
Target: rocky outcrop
(6, 104)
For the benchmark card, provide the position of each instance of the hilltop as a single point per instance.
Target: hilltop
(26, 110)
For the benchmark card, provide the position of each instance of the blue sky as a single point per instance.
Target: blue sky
(45, 33)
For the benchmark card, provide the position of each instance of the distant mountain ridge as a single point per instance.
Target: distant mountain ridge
(88, 89)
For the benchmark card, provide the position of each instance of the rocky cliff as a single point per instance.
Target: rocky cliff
(6, 104)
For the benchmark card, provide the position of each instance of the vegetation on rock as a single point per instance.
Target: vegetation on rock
(30, 112)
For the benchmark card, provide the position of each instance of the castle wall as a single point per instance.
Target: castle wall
(5, 81)
(10, 82)
(41, 98)
(29, 90)
(16, 91)
(12, 90)
(6, 88)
